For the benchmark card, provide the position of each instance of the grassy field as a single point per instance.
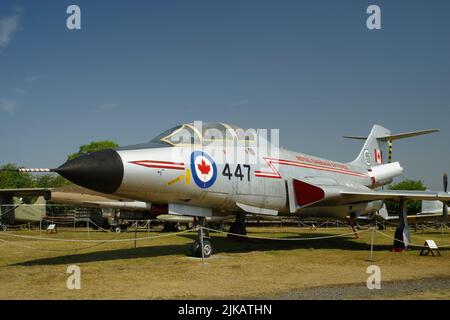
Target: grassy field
(161, 269)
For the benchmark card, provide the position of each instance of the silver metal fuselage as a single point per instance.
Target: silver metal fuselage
(164, 175)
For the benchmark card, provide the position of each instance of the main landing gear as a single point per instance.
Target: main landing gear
(204, 240)
(350, 220)
(171, 227)
(238, 228)
(402, 235)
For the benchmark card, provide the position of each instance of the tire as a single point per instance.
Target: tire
(207, 249)
(195, 249)
(117, 229)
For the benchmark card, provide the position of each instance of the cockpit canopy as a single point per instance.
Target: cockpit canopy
(199, 133)
(204, 134)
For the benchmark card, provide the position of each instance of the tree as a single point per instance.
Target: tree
(92, 147)
(15, 179)
(11, 178)
(50, 180)
(413, 206)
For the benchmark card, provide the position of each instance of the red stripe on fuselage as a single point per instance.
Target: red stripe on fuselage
(159, 164)
(276, 174)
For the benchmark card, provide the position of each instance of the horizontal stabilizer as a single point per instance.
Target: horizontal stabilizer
(397, 136)
(355, 137)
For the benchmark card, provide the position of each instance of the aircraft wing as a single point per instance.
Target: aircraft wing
(310, 193)
(27, 192)
(425, 218)
(415, 218)
(372, 195)
(77, 196)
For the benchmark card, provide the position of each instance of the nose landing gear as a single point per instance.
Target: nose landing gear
(207, 249)
(202, 247)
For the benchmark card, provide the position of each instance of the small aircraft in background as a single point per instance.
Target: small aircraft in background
(18, 206)
(432, 211)
(434, 208)
(216, 170)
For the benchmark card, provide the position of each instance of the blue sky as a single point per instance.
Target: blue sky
(310, 68)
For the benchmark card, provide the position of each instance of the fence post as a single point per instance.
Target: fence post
(201, 244)
(371, 243)
(135, 235)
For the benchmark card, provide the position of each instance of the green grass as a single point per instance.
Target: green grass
(161, 268)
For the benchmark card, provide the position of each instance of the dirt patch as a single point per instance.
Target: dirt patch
(389, 290)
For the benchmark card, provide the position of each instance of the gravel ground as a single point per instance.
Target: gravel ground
(388, 290)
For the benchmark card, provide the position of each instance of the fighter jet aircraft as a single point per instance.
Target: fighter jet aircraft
(215, 169)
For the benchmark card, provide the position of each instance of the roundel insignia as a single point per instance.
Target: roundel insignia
(367, 158)
(204, 169)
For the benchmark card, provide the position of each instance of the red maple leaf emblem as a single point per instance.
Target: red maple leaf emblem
(203, 167)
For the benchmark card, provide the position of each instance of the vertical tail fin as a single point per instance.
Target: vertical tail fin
(371, 153)
(378, 140)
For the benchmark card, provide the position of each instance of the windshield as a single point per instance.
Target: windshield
(204, 134)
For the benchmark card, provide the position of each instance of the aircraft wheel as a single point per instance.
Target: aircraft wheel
(207, 249)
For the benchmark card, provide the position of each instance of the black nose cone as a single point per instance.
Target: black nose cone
(101, 171)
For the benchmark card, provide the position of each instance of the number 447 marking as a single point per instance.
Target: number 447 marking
(237, 172)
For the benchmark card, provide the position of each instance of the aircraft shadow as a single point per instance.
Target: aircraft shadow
(221, 245)
(224, 245)
(106, 255)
